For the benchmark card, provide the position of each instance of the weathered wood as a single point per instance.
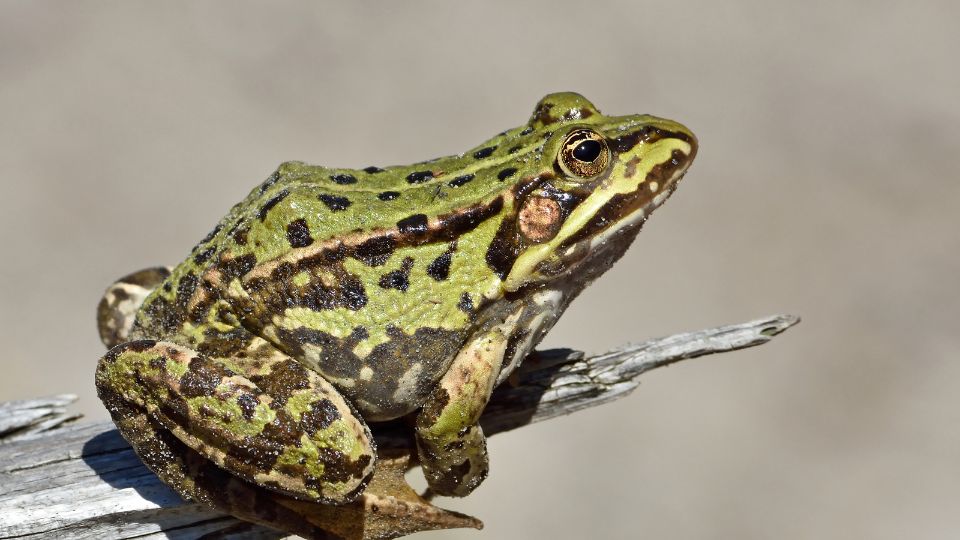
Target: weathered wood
(75, 481)
(19, 419)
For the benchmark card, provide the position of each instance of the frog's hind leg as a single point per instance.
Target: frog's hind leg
(117, 310)
(259, 415)
(196, 478)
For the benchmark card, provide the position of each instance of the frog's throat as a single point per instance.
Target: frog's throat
(618, 183)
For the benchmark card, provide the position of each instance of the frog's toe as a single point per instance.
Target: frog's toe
(269, 421)
(459, 466)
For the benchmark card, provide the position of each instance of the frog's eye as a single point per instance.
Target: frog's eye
(584, 154)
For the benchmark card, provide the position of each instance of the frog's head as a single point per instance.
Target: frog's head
(600, 178)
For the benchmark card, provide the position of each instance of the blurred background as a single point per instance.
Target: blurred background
(826, 186)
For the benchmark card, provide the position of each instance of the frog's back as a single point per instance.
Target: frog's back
(374, 281)
(335, 203)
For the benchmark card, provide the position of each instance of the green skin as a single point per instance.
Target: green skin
(333, 297)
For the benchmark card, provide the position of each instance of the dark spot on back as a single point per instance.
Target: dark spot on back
(506, 173)
(185, 289)
(439, 269)
(298, 233)
(514, 149)
(335, 203)
(271, 202)
(372, 170)
(240, 236)
(203, 256)
(526, 131)
(238, 266)
(376, 250)
(484, 152)
(388, 195)
(354, 295)
(343, 179)
(460, 180)
(271, 180)
(415, 224)
(398, 279)
(418, 177)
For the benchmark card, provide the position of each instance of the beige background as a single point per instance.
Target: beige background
(826, 186)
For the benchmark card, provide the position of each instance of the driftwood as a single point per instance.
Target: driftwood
(64, 479)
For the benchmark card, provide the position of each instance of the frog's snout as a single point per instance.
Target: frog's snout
(676, 130)
(673, 170)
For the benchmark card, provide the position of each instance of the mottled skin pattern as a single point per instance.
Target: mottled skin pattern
(333, 297)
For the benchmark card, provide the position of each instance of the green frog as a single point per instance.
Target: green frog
(331, 298)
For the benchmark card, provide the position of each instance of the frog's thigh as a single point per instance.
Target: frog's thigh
(267, 419)
(450, 443)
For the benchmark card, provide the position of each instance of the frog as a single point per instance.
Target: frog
(330, 300)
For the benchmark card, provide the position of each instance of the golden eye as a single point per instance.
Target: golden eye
(584, 154)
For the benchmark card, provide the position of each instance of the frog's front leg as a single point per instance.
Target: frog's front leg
(261, 415)
(450, 443)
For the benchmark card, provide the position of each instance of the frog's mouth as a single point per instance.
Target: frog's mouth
(592, 256)
(607, 238)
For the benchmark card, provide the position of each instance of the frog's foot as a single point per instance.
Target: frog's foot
(117, 310)
(265, 419)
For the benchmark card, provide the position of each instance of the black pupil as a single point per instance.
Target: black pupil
(588, 151)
